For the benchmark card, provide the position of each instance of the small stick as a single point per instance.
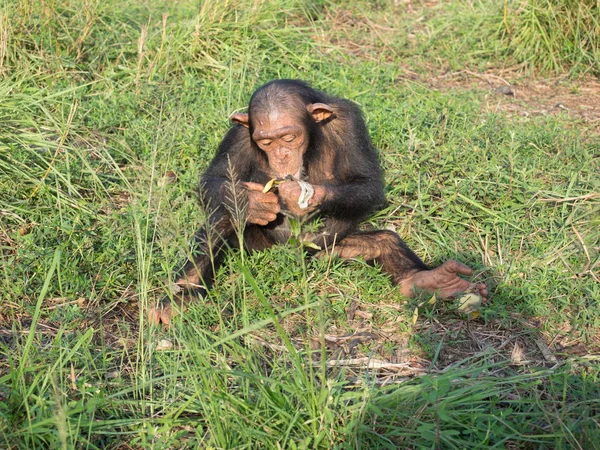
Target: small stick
(548, 355)
(587, 254)
(571, 199)
(369, 363)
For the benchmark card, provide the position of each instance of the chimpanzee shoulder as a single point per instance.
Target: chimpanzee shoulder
(347, 137)
(236, 149)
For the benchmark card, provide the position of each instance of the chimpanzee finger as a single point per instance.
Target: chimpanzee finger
(265, 207)
(272, 208)
(482, 289)
(161, 313)
(269, 198)
(154, 316)
(253, 186)
(257, 219)
(267, 216)
(459, 267)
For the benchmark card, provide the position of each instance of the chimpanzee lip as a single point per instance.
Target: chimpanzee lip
(287, 173)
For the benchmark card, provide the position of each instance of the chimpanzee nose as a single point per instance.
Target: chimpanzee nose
(282, 153)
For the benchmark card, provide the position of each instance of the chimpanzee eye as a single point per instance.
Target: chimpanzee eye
(289, 137)
(265, 143)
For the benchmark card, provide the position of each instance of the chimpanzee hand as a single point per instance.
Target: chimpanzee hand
(262, 208)
(289, 193)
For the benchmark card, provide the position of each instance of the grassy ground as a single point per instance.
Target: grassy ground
(109, 112)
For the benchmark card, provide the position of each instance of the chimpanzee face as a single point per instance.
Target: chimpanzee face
(282, 135)
(283, 139)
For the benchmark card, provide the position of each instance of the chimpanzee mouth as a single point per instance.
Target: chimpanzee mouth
(288, 174)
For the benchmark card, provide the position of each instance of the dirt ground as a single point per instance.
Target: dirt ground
(447, 341)
(508, 90)
(508, 93)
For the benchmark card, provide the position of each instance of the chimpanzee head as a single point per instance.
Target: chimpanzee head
(282, 119)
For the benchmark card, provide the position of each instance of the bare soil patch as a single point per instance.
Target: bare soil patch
(446, 341)
(433, 345)
(506, 90)
(508, 93)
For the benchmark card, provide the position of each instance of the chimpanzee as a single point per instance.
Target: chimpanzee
(318, 148)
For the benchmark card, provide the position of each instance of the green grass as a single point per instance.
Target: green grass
(555, 35)
(99, 101)
(546, 37)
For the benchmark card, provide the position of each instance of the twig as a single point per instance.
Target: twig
(484, 77)
(587, 254)
(571, 199)
(548, 355)
(368, 363)
(79, 301)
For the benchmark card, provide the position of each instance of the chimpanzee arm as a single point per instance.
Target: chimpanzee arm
(357, 188)
(353, 200)
(235, 153)
(234, 182)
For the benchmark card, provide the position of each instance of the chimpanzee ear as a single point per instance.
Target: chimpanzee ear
(320, 111)
(240, 118)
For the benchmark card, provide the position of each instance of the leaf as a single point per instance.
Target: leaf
(295, 226)
(469, 303)
(311, 245)
(269, 185)
(415, 316)
(443, 386)
(426, 427)
(447, 433)
(432, 396)
(443, 414)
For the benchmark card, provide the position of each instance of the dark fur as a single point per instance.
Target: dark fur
(341, 146)
(340, 156)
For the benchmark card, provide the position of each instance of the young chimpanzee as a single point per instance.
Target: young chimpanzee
(318, 148)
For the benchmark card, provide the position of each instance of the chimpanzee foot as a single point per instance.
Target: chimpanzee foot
(443, 280)
(165, 309)
(162, 312)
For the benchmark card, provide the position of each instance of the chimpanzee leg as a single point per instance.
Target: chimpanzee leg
(197, 275)
(384, 247)
(406, 269)
(329, 234)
